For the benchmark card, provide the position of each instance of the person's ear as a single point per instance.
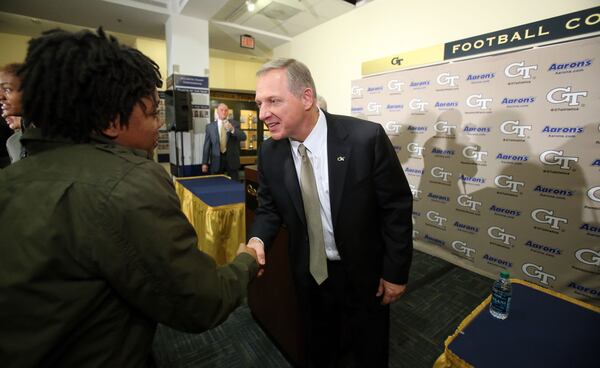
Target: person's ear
(114, 127)
(308, 98)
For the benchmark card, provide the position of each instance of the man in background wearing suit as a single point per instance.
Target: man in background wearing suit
(221, 153)
(336, 183)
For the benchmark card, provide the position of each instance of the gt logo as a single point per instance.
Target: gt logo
(556, 158)
(461, 247)
(356, 91)
(566, 96)
(466, 200)
(373, 107)
(535, 271)
(395, 85)
(447, 79)
(393, 127)
(594, 194)
(438, 172)
(474, 152)
(397, 60)
(547, 218)
(505, 181)
(515, 70)
(415, 148)
(443, 127)
(588, 256)
(435, 217)
(415, 192)
(498, 233)
(513, 127)
(417, 104)
(478, 101)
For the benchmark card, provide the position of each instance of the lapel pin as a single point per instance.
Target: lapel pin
(341, 158)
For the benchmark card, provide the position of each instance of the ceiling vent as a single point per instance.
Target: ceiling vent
(158, 3)
(279, 11)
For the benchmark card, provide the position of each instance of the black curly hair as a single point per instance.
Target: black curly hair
(75, 84)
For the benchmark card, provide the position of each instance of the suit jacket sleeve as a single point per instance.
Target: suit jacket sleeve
(238, 134)
(394, 200)
(207, 146)
(267, 221)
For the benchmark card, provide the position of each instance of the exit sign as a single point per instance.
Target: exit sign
(247, 41)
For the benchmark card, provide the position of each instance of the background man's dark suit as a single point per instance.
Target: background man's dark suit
(212, 150)
(371, 206)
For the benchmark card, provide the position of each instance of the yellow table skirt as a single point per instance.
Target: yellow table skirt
(220, 229)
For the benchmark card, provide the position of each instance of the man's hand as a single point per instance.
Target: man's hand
(247, 249)
(205, 168)
(259, 247)
(228, 127)
(244, 249)
(391, 292)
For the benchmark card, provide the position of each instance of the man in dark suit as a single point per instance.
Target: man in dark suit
(221, 154)
(356, 262)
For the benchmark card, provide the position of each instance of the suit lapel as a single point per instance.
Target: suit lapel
(215, 131)
(290, 178)
(338, 157)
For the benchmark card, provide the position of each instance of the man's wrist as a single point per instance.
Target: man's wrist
(259, 240)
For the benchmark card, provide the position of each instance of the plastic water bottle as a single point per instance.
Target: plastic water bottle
(501, 294)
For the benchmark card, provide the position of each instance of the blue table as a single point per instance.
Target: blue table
(215, 207)
(543, 329)
(214, 190)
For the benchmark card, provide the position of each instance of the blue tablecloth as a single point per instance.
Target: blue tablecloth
(542, 330)
(215, 191)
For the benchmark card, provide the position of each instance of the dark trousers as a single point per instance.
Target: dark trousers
(344, 329)
(225, 168)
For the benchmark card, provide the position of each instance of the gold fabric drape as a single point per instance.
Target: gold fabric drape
(220, 229)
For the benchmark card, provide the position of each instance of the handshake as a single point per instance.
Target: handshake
(256, 249)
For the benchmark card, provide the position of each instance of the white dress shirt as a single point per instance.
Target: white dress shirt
(316, 147)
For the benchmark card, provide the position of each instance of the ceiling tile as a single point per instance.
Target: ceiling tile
(259, 21)
(332, 9)
(289, 29)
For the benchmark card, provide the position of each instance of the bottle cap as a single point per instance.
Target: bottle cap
(504, 275)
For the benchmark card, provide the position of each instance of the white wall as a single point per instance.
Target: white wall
(334, 51)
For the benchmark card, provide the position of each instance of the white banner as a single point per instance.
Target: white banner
(503, 157)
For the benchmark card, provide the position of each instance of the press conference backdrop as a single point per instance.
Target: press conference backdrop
(502, 154)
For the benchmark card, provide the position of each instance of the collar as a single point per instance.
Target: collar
(35, 141)
(317, 137)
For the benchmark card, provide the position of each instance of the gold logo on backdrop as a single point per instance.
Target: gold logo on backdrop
(427, 55)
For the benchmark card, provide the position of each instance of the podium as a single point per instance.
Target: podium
(272, 297)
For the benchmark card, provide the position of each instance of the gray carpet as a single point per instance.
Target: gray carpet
(440, 296)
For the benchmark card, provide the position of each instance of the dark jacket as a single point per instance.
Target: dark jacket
(5, 133)
(211, 153)
(94, 252)
(371, 204)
